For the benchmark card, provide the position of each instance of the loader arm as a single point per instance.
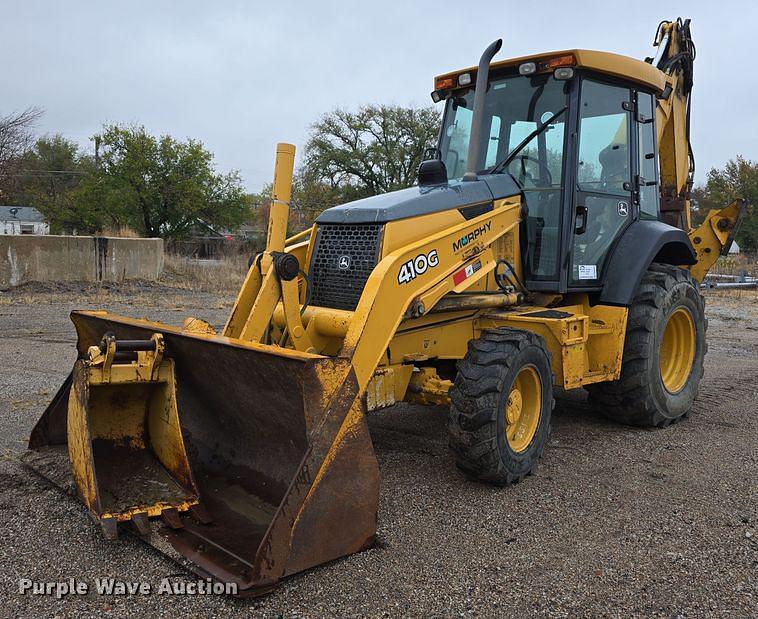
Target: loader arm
(385, 299)
(386, 296)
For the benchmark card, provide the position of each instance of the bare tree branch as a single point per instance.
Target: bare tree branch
(16, 135)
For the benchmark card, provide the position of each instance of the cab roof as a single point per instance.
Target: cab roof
(604, 62)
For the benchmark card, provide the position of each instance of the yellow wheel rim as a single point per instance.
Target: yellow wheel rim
(677, 350)
(523, 408)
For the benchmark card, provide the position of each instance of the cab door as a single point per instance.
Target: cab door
(603, 193)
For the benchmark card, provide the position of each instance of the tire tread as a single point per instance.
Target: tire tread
(473, 423)
(629, 399)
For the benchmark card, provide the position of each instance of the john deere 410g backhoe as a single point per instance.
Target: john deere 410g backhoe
(548, 243)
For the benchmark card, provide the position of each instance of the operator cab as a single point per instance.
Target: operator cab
(579, 141)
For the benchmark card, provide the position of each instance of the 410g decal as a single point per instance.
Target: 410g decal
(417, 266)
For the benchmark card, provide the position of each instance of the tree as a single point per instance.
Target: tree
(50, 175)
(738, 179)
(350, 156)
(374, 150)
(16, 133)
(16, 137)
(160, 186)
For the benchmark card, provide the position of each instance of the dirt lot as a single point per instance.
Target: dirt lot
(618, 521)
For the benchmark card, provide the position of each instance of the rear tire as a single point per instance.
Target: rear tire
(501, 404)
(664, 351)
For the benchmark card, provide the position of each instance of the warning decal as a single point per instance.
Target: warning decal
(466, 272)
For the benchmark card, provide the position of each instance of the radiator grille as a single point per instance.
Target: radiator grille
(343, 259)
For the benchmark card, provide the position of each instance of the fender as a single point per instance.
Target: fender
(643, 243)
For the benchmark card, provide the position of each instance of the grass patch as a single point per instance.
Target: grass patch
(223, 275)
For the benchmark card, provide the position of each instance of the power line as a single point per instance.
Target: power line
(42, 172)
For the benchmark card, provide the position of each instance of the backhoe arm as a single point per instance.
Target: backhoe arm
(714, 236)
(677, 164)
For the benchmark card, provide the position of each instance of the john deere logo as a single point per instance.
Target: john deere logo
(344, 263)
(623, 208)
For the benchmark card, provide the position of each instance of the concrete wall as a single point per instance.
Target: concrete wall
(28, 258)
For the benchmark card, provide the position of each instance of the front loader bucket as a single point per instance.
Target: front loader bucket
(279, 456)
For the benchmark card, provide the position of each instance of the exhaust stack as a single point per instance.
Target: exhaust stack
(477, 119)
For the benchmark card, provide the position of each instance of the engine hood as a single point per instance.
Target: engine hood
(416, 201)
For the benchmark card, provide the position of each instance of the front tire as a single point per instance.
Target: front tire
(664, 352)
(501, 404)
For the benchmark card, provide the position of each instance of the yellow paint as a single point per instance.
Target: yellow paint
(673, 145)
(607, 332)
(164, 328)
(523, 408)
(151, 511)
(398, 234)
(677, 350)
(251, 314)
(331, 372)
(197, 325)
(392, 323)
(426, 387)
(78, 437)
(387, 386)
(303, 235)
(444, 340)
(263, 308)
(713, 235)
(586, 346)
(327, 321)
(294, 323)
(280, 198)
(508, 247)
(604, 62)
(391, 340)
(385, 300)
(129, 406)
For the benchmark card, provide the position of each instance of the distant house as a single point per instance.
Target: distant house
(202, 240)
(251, 232)
(734, 249)
(203, 231)
(22, 220)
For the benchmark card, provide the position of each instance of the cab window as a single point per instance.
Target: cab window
(603, 198)
(603, 139)
(648, 185)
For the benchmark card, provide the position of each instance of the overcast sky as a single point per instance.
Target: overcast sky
(240, 76)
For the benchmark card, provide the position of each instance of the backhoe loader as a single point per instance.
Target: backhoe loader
(548, 244)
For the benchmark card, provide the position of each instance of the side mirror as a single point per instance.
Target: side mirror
(432, 172)
(431, 152)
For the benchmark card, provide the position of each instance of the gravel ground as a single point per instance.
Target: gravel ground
(618, 521)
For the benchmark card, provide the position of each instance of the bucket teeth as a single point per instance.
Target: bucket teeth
(266, 451)
(141, 523)
(171, 518)
(109, 527)
(124, 435)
